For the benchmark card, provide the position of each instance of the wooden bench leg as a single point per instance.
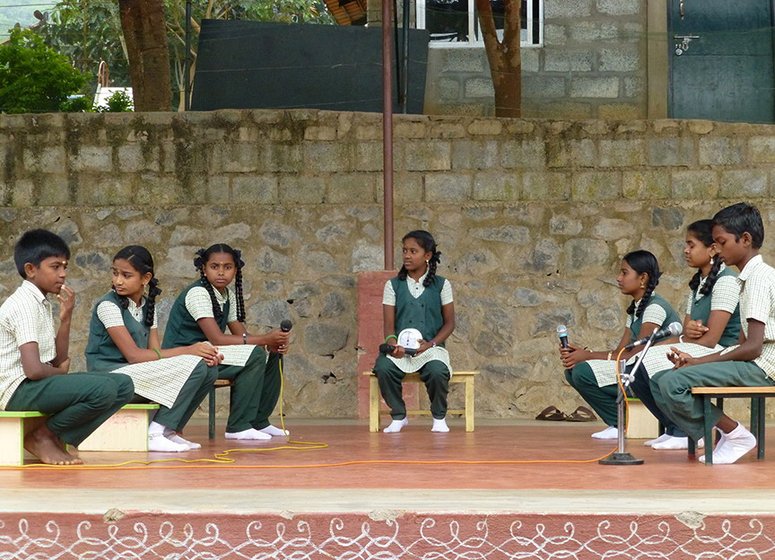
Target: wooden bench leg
(211, 414)
(760, 409)
(708, 430)
(469, 404)
(374, 397)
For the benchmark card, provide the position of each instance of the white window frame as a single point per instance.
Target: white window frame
(528, 40)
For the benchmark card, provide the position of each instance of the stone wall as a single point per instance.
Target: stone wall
(532, 217)
(592, 65)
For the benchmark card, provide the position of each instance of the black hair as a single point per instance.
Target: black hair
(425, 240)
(703, 231)
(643, 261)
(202, 256)
(36, 245)
(740, 218)
(142, 261)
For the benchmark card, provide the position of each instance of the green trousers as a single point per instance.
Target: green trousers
(77, 402)
(434, 374)
(255, 390)
(193, 392)
(672, 390)
(601, 399)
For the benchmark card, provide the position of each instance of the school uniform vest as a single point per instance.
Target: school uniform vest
(671, 317)
(182, 329)
(701, 310)
(102, 354)
(422, 313)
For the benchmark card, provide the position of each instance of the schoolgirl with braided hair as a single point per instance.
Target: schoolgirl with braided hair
(418, 317)
(593, 374)
(123, 338)
(203, 312)
(711, 323)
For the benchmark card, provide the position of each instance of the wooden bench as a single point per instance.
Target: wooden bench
(211, 406)
(466, 377)
(757, 396)
(126, 430)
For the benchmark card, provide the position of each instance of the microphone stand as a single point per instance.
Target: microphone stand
(620, 456)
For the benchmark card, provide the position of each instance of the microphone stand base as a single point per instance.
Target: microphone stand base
(617, 458)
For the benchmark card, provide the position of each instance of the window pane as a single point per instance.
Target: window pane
(447, 20)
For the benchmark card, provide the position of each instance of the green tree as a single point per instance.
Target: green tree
(34, 77)
(87, 32)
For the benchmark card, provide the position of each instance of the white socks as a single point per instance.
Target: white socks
(674, 442)
(440, 425)
(249, 434)
(609, 433)
(660, 439)
(396, 426)
(274, 431)
(172, 435)
(732, 446)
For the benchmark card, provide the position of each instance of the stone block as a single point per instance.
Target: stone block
(619, 7)
(496, 185)
(368, 156)
(302, 189)
(474, 154)
(136, 157)
(448, 89)
(715, 150)
(761, 149)
(410, 129)
(470, 61)
(351, 188)
(277, 157)
(584, 32)
(485, 127)
(634, 86)
(55, 191)
(542, 86)
(563, 60)
(545, 186)
(430, 155)
(646, 185)
(523, 154)
(93, 158)
(599, 87)
(563, 224)
(596, 185)
(322, 157)
(672, 152)
(568, 9)
(619, 59)
(584, 254)
(255, 189)
(50, 159)
(555, 34)
(698, 185)
(748, 183)
(474, 88)
(446, 187)
(324, 133)
(530, 59)
(622, 153)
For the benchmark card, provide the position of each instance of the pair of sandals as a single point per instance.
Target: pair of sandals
(554, 414)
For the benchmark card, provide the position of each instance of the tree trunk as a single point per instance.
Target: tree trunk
(504, 57)
(145, 33)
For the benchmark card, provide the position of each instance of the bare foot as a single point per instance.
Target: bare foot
(42, 443)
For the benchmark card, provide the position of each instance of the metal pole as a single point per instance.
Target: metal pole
(405, 61)
(187, 60)
(387, 129)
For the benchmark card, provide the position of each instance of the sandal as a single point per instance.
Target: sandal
(581, 414)
(551, 413)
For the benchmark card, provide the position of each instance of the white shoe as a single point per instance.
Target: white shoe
(673, 443)
(274, 431)
(249, 434)
(732, 446)
(609, 433)
(660, 439)
(177, 438)
(157, 442)
(440, 425)
(396, 426)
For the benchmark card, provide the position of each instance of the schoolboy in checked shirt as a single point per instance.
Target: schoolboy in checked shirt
(34, 361)
(738, 232)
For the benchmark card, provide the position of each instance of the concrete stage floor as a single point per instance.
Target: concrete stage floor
(522, 489)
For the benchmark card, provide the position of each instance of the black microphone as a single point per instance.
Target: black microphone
(286, 325)
(562, 332)
(673, 329)
(388, 349)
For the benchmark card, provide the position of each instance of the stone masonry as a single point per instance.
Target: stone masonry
(532, 217)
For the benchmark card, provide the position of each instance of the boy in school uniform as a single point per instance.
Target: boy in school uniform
(34, 358)
(738, 232)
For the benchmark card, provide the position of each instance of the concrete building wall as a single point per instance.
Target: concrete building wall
(532, 217)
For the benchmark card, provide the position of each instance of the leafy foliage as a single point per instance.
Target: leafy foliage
(87, 33)
(34, 77)
(119, 102)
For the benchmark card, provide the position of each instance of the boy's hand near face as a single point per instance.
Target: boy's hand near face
(66, 297)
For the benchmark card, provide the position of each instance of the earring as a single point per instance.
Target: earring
(426, 262)
(642, 285)
(711, 261)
